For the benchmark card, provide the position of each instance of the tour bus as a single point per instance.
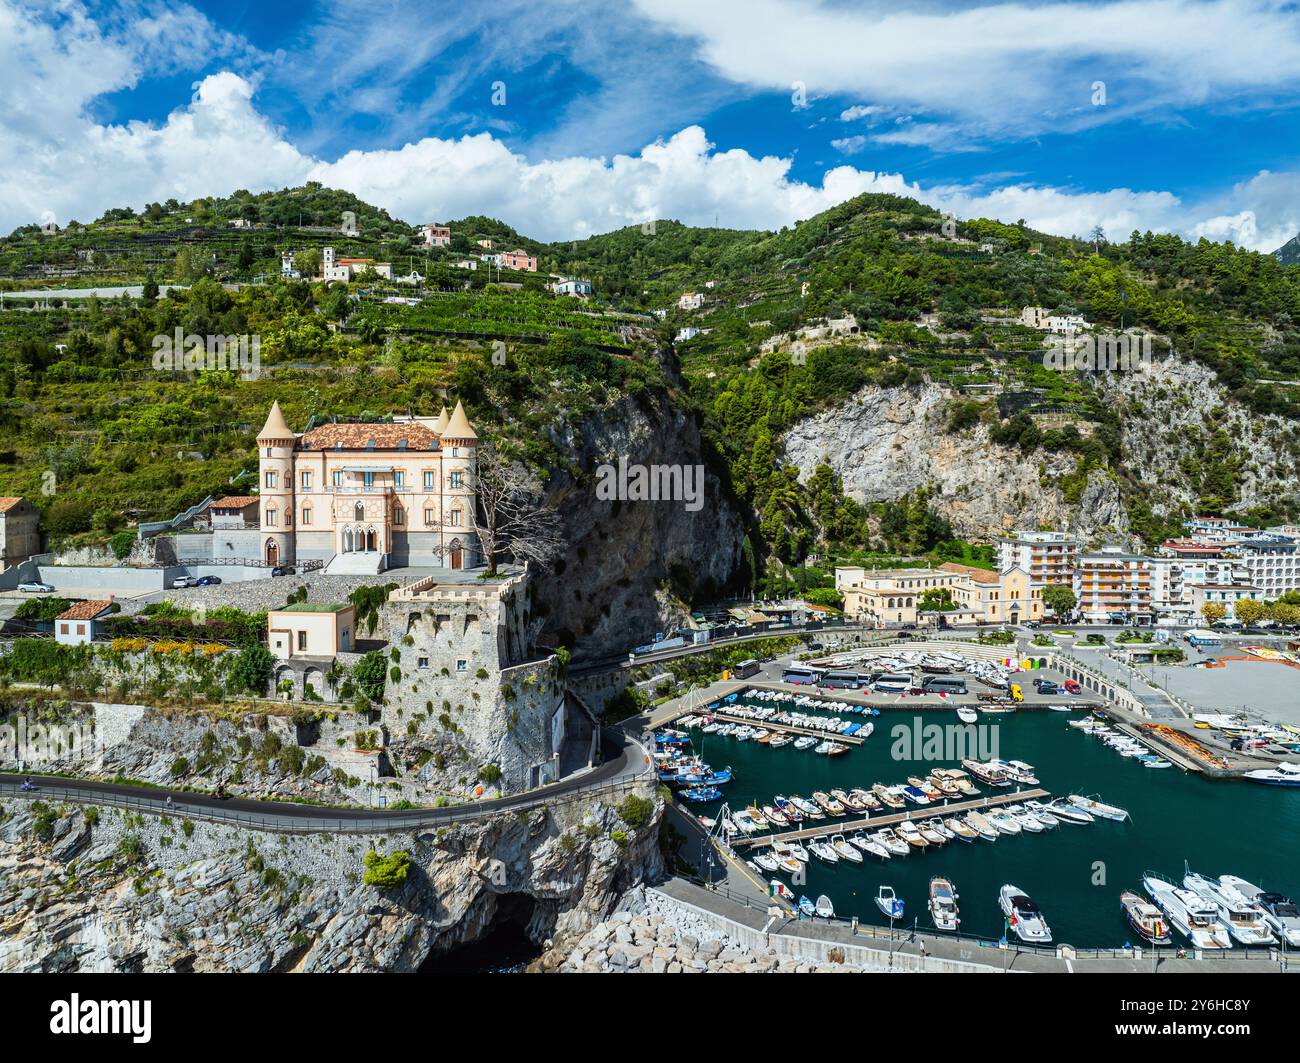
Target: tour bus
(893, 683)
(744, 669)
(945, 684)
(800, 675)
(841, 680)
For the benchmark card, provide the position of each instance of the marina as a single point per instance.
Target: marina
(1159, 819)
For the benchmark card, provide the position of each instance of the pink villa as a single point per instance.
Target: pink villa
(519, 260)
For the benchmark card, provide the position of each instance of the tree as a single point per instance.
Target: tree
(515, 521)
(371, 674)
(1284, 613)
(1059, 599)
(252, 669)
(1250, 611)
(307, 263)
(1213, 611)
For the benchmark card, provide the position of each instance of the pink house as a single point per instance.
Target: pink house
(519, 260)
(437, 235)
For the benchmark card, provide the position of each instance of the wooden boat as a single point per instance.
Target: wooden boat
(961, 829)
(868, 800)
(845, 850)
(1145, 918)
(828, 803)
(981, 826)
(925, 786)
(908, 831)
(848, 801)
(775, 817)
(937, 825)
(887, 797)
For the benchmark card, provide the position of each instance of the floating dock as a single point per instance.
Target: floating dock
(788, 728)
(920, 813)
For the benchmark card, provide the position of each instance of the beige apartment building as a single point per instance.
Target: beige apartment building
(1113, 584)
(894, 596)
(365, 497)
(20, 531)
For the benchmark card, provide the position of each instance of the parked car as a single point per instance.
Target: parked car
(1071, 687)
(207, 581)
(283, 570)
(184, 581)
(1046, 686)
(35, 588)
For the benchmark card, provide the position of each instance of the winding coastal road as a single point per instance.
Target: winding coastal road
(626, 761)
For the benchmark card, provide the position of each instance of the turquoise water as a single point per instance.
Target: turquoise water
(1075, 873)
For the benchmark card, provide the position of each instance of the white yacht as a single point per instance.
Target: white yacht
(1244, 919)
(1098, 808)
(1280, 912)
(1026, 920)
(1196, 919)
(943, 904)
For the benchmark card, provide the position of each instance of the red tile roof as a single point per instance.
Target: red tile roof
(84, 610)
(357, 436)
(235, 502)
(979, 575)
(6, 504)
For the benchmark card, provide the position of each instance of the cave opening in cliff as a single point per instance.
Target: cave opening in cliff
(504, 946)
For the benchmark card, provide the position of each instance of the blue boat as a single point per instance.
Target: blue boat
(806, 907)
(701, 794)
(889, 903)
(704, 778)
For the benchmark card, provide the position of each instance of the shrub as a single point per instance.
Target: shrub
(386, 872)
(636, 811)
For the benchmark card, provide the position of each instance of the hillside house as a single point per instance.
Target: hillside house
(436, 235)
(75, 626)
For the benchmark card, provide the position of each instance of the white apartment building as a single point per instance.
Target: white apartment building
(1272, 564)
(1048, 556)
(1173, 580)
(1217, 530)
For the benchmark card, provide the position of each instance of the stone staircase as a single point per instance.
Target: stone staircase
(360, 563)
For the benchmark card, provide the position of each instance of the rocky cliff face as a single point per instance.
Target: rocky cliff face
(621, 552)
(887, 442)
(106, 890)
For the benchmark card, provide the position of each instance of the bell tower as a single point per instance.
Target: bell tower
(275, 443)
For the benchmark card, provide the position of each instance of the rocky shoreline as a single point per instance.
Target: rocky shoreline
(650, 934)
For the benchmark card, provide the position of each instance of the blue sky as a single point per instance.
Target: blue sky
(1174, 115)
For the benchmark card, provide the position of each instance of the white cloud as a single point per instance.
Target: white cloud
(850, 145)
(1018, 67)
(852, 114)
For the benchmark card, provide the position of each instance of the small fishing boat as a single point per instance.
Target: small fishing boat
(792, 849)
(868, 846)
(1098, 808)
(836, 749)
(767, 862)
(868, 800)
(961, 829)
(781, 890)
(824, 907)
(845, 850)
(776, 817)
(930, 834)
(925, 786)
(805, 742)
(1145, 918)
(825, 801)
(1023, 916)
(888, 839)
(779, 740)
(887, 796)
(943, 904)
(907, 830)
(945, 786)
(789, 865)
(889, 903)
(981, 826)
(1027, 820)
(962, 781)
(807, 908)
(848, 801)
(968, 715)
(809, 809)
(701, 794)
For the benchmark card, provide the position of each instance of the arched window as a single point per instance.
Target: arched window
(399, 514)
(453, 518)
(306, 514)
(358, 512)
(271, 516)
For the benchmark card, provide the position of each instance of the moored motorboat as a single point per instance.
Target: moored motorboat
(1068, 813)
(1094, 807)
(1280, 912)
(907, 830)
(1195, 918)
(807, 907)
(889, 902)
(961, 828)
(968, 715)
(1145, 918)
(828, 803)
(888, 839)
(823, 851)
(1003, 823)
(824, 908)
(887, 796)
(1043, 814)
(930, 834)
(940, 828)
(943, 904)
(981, 826)
(775, 816)
(1023, 916)
(845, 850)
(868, 845)
(911, 793)
(1244, 919)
